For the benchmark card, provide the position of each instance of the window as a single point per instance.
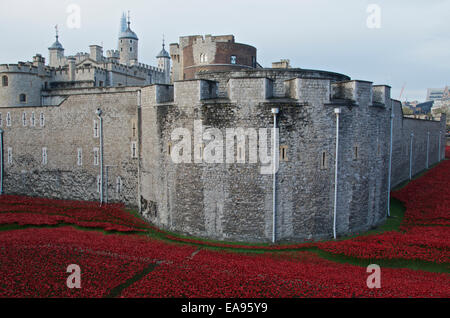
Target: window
(4, 81)
(80, 157)
(355, 153)
(119, 185)
(131, 41)
(99, 184)
(323, 160)
(24, 118)
(8, 119)
(169, 149)
(96, 133)
(10, 158)
(133, 150)
(1, 120)
(96, 156)
(203, 58)
(233, 59)
(283, 153)
(44, 156)
(131, 49)
(33, 120)
(134, 129)
(42, 119)
(23, 98)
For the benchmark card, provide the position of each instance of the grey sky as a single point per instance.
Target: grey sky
(412, 46)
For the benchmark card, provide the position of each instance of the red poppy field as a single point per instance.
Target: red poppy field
(121, 256)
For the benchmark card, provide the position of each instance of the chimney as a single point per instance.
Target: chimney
(71, 68)
(96, 53)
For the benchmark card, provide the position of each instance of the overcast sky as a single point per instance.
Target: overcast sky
(411, 47)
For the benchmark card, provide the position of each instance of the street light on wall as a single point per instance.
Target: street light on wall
(99, 113)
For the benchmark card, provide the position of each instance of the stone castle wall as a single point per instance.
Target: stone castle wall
(230, 201)
(64, 130)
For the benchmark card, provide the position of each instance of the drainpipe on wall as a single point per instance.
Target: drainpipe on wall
(390, 162)
(1, 161)
(410, 156)
(428, 150)
(275, 112)
(337, 111)
(99, 114)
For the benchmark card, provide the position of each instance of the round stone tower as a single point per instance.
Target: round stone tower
(128, 46)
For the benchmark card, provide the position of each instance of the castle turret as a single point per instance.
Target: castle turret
(128, 46)
(164, 63)
(56, 52)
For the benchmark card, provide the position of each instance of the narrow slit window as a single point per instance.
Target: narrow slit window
(134, 130)
(96, 156)
(42, 119)
(283, 153)
(169, 149)
(10, 156)
(356, 153)
(24, 119)
(80, 157)
(8, 119)
(119, 185)
(133, 150)
(99, 184)
(44, 156)
(33, 119)
(96, 132)
(323, 160)
(1, 120)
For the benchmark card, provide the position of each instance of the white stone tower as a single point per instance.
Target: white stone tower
(128, 46)
(164, 63)
(56, 52)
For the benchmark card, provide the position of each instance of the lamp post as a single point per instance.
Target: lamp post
(99, 115)
(275, 112)
(337, 111)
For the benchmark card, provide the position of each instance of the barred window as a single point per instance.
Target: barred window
(33, 120)
(24, 118)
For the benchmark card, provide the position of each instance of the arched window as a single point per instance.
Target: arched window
(233, 59)
(23, 98)
(4, 80)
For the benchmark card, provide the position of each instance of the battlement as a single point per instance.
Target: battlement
(195, 90)
(250, 88)
(21, 67)
(307, 90)
(381, 95)
(356, 91)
